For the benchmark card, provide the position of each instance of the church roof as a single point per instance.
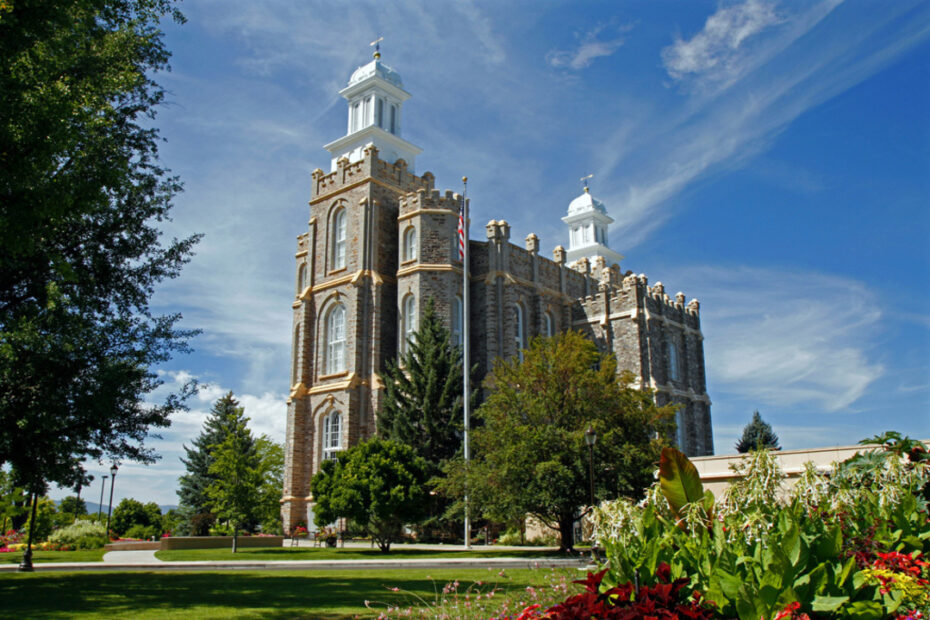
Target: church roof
(376, 67)
(585, 203)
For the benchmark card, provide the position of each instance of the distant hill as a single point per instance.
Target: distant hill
(93, 507)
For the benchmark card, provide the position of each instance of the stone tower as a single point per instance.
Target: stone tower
(381, 241)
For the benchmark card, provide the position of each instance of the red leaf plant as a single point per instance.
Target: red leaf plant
(626, 602)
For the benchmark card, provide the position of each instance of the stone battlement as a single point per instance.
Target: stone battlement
(370, 167)
(430, 199)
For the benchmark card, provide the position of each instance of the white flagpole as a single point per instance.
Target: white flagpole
(466, 363)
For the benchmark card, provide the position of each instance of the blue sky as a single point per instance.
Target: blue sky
(771, 159)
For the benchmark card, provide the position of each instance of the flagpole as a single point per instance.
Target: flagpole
(466, 363)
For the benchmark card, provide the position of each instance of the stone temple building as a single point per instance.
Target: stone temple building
(381, 241)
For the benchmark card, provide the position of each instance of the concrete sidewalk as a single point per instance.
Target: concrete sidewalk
(139, 564)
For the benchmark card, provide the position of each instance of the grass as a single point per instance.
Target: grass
(83, 555)
(253, 594)
(346, 553)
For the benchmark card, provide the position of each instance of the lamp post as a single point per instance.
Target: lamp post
(590, 437)
(103, 485)
(110, 507)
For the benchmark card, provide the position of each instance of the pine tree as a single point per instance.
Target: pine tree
(223, 420)
(757, 434)
(234, 491)
(423, 394)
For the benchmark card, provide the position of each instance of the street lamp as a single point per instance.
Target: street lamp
(103, 485)
(110, 507)
(590, 438)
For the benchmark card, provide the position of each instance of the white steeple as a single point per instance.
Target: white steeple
(375, 94)
(587, 222)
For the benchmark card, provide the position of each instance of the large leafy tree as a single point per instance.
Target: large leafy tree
(271, 470)
(530, 455)
(757, 434)
(223, 419)
(379, 484)
(82, 200)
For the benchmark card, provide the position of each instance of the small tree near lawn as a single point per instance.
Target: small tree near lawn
(379, 484)
(235, 491)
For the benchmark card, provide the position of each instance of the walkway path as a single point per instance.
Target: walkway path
(130, 557)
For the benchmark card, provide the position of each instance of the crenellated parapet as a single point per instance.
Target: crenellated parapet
(429, 200)
(370, 166)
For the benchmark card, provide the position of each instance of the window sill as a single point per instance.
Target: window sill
(333, 272)
(335, 375)
(409, 261)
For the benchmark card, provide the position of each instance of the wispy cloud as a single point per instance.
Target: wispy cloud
(589, 46)
(718, 50)
(787, 338)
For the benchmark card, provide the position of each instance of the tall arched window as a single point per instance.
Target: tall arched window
(548, 329)
(295, 363)
(519, 331)
(673, 369)
(332, 435)
(410, 243)
(336, 340)
(457, 326)
(301, 278)
(393, 118)
(339, 239)
(408, 320)
(379, 111)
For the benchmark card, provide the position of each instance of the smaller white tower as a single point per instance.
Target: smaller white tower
(587, 222)
(375, 94)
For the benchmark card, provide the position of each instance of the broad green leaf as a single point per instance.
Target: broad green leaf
(679, 479)
(828, 603)
(863, 610)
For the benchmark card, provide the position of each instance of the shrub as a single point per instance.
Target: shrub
(510, 538)
(201, 523)
(80, 535)
(143, 532)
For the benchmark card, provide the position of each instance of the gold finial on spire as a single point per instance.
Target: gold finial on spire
(377, 45)
(585, 181)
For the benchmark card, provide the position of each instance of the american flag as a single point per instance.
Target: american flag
(462, 230)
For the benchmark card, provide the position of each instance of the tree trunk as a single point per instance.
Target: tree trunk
(235, 536)
(567, 531)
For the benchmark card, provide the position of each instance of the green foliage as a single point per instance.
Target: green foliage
(757, 434)
(44, 521)
(13, 500)
(422, 405)
(80, 535)
(82, 201)
(271, 469)
(378, 483)
(530, 456)
(73, 505)
(130, 513)
(234, 492)
(766, 548)
(176, 522)
(192, 486)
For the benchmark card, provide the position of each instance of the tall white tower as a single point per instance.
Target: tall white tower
(375, 94)
(587, 222)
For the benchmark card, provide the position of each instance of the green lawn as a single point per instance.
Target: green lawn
(253, 594)
(87, 555)
(347, 553)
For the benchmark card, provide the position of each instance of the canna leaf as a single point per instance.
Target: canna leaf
(679, 480)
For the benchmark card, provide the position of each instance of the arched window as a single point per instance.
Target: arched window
(393, 118)
(548, 329)
(410, 243)
(356, 113)
(457, 326)
(332, 435)
(379, 111)
(519, 331)
(339, 239)
(408, 321)
(336, 340)
(673, 369)
(301, 278)
(295, 363)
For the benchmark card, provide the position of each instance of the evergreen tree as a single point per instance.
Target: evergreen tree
(235, 490)
(422, 405)
(757, 434)
(192, 486)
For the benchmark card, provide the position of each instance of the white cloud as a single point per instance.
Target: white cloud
(787, 338)
(588, 48)
(716, 48)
